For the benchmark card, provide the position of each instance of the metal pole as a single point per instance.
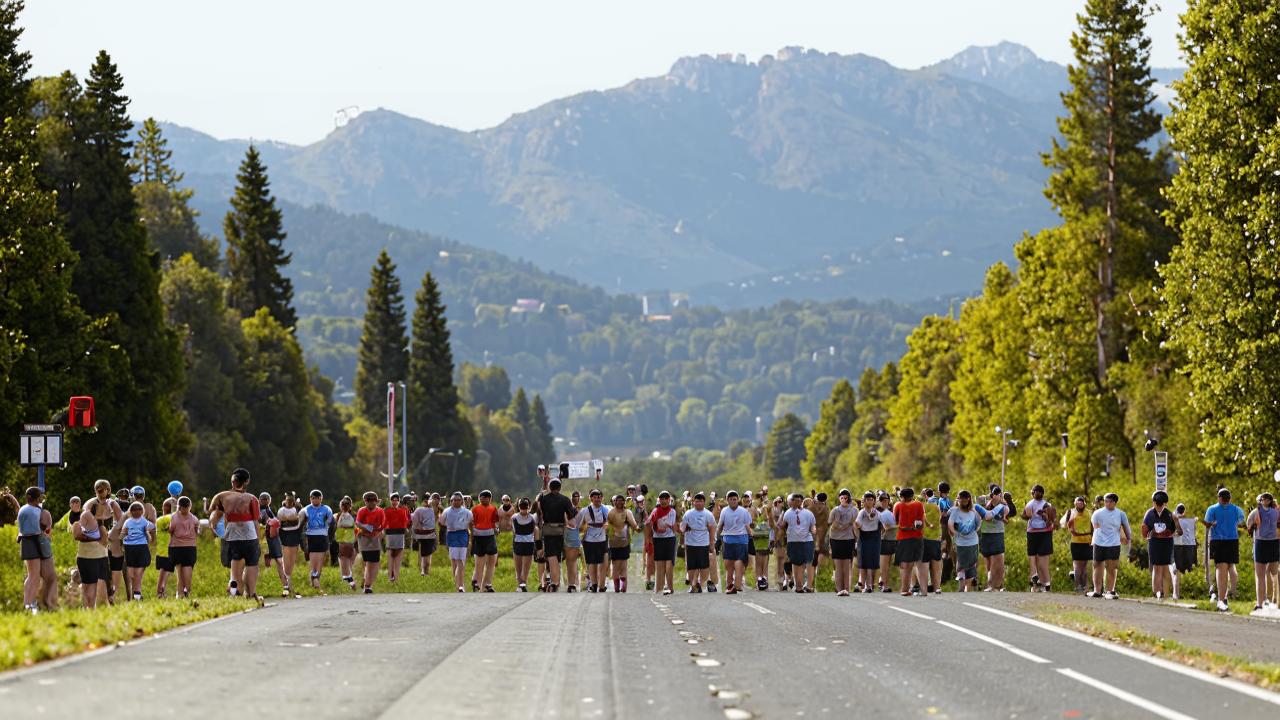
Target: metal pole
(391, 437)
(40, 477)
(404, 431)
(1004, 455)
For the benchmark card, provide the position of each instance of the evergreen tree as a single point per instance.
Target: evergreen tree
(382, 343)
(784, 448)
(541, 439)
(1222, 287)
(277, 392)
(15, 85)
(487, 386)
(256, 257)
(520, 410)
(830, 434)
(921, 414)
(163, 206)
(435, 418)
(869, 432)
(142, 435)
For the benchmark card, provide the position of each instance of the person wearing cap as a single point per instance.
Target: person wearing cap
(1262, 524)
(484, 542)
(698, 530)
(1224, 520)
(594, 519)
(423, 519)
(139, 494)
(734, 527)
(34, 524)
(456, 520)
(371, 522)
(1077, 524)
(1159, 528)
(316, 519)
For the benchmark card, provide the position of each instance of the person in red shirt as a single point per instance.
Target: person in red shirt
(908, 513)
(484, 542)
(371, 521)
(397, 522)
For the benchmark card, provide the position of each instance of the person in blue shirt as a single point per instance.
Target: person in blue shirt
(317, 517)
(139, 533)
(1224, 521)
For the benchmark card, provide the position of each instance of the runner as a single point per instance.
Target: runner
(779, 545)
(34, 524)
(184, 528)
(524, 537)
(345, 535)
(572, 544)
(1159, 529)
(640, 541)
(506, 509)
(888, 541)
(396, 521)
(164, 563)
(271, 531)
(622, 523)
(424, 532)
(994, 514)
(240, 510)
(929, 572)
(821, 514)
(139, 533)
(1185, 548)
(1041, 519)
(115, 546)
(759, 548)
(843, 517)
(908, 515)
(371, 523)
(484, 542)
(944, 503)
(553, 512)
(139, 494)
(594, 519)
(1077, 523)
(800, 526)
(734, 526)
(1262, 524)
(1110, 531)
(317, 517)
(698, 531)
(714, 506)
(290, 539)
(870, 527)
(1224, 520)
(91, 556)
(964, 522)
(456, 520)
(662, 523)
(106, 514)
(73, 515)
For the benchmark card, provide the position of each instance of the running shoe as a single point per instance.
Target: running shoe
(1222, 606)
(460, 589)
(368, 591)
(137, 596)
(572, 589)
(489, 588)
(475, 586)
(666, 591)
(648, 584)
(711, 587)
(522, 588)
(843, 593)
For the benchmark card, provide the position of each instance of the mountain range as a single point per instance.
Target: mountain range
(802, 175)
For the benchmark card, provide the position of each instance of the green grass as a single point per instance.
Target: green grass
(1263, 674)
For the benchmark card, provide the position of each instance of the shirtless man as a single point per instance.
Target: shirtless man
(240, 509)
(107, 514)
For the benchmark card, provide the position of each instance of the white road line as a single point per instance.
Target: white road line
(1153, 708)
(760, 608)
(998, 643)
(1240, 687)
(922, 616)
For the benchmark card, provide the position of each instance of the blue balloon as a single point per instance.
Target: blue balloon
(175, 488)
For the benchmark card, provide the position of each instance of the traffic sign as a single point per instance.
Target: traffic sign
(1162, 471)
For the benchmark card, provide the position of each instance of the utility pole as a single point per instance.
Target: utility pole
(1005, 442)
(391, 437)
(404, 432)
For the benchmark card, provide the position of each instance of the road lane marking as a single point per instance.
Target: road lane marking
(998, 643)
(1240, 687)
(1135, 700)
(760, 608)
(922, 616)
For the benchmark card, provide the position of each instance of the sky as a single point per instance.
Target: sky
(283, 69)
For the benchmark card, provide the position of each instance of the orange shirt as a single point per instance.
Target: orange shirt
(397, 518)
(906, 514)
(485, 516)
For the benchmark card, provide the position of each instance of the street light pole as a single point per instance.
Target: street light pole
(391, 437)
(1005, 443)
(404, 431)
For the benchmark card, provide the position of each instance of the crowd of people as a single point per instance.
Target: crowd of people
(558, 541)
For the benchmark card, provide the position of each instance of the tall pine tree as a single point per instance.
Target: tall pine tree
(541, 440)
(830, 434)
(164, 206)
(383, 342)
(784, 448)
(1222, 287)
(256, 258)
(435, 418)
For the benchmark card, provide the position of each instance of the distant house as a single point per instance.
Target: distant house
(660, 304)
(527, 305)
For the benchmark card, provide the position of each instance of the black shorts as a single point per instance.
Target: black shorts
(664, 549)
(1081, 552)
(275, 550)
(932, 551)
(1160, 551)
(1266, 552)
(888, 547)
(137, 556)
(1185, 557)
(224, 551)
(910, 550)
(1103, 553)
(426, 546)
(34, 549)
(991, 544)
(164, 563)
(116, 562)
(247, 550)
(317, 544)
(93, 570)
(719, 545)
(697, 557)
(371, 556)
(291, 538)
(524, 549)
(620, 553)
(842, 549)
(1224, 551)
(553, 546)
(1039, 544)
(594, 552)
(183, 556)
(483, 545)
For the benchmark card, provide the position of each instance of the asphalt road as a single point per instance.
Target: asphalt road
(512, 656)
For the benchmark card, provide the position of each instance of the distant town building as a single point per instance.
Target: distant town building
(527, 305)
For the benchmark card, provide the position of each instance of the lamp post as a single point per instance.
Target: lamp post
(1005, 444)
(391, 437)
(404, 432)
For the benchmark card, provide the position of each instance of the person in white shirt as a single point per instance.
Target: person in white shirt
(662, 526)
(593, 520)
(1110, 531)
(698, 530)
(800, 525)
(734, 528)
(1184, 548)
(457, 535)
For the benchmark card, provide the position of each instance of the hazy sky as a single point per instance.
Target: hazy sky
(280, 69)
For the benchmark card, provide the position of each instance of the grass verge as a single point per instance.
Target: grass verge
(1262, 674)
(28, 639)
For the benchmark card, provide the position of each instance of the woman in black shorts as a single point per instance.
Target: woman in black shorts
(1158, 528)
(290, 538)
(524, 542)
(663, 523)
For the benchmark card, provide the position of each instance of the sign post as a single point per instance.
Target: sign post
(40, 446)
(1162, 471)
